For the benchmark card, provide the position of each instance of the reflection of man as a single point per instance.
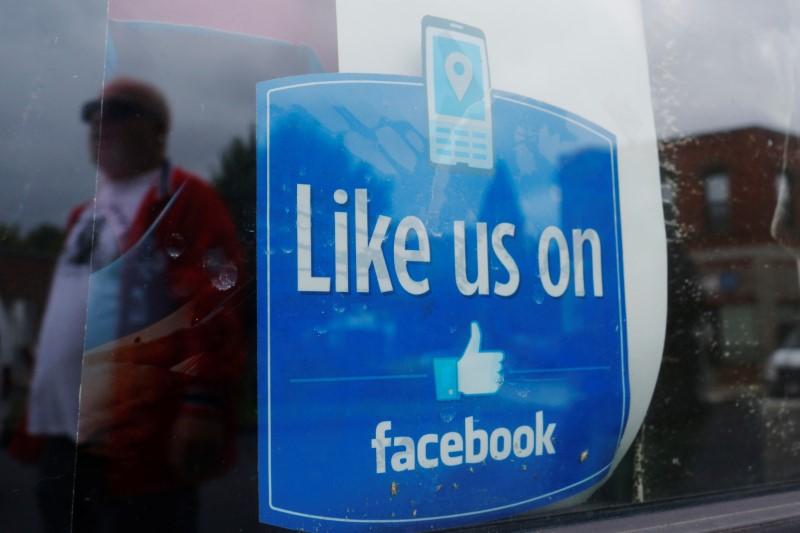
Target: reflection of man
(150, 268)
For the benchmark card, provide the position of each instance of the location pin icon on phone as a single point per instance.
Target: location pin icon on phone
(458, 68)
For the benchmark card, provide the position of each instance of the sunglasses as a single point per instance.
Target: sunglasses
(114, 110)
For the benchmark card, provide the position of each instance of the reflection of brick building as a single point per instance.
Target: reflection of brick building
(724, 190)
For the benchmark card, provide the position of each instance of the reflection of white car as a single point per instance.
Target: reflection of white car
(783, 368)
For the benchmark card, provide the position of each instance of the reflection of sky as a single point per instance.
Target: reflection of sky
(51, 57)
(723, 63)
(51, 54)
(56, 52)
(221, 69)
(296, 21)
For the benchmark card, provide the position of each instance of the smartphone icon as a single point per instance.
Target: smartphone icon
(458, 93)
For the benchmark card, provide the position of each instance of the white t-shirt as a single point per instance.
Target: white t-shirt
(54, 397)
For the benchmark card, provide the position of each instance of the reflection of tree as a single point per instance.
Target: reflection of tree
(45, 239)
(235, 180)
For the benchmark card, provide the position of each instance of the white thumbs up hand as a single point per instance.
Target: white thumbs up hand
(479, 372)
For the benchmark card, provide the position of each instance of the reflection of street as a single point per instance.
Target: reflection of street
(743, 441)
(722, 449)
(230, 503)
(18, 509)
(237, 490)
(781, 439)
(729, 447)
(728, 451)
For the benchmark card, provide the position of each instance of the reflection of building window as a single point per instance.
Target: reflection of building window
(718, 201)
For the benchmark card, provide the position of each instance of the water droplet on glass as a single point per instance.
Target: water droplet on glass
(175, 245)
(339, 308)
(453, 329)
(523, 393)
(320, 330)
(226, 277)
(447, 415)
(287, 249)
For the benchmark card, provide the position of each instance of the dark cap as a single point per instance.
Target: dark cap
(125, 98)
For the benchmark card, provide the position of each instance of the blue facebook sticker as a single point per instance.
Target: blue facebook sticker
(438, 344)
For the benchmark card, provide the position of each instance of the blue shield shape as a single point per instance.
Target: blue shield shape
(366, 416)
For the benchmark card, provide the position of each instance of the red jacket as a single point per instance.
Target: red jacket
(188, 366)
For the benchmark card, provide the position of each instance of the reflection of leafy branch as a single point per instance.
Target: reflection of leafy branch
(235, 180)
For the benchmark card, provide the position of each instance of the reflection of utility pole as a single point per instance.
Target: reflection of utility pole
(5, 361)
(21, 320)
(638, 467)
(15, 336)
(6, 336)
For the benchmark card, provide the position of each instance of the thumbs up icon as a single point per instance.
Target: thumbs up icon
(475, 372)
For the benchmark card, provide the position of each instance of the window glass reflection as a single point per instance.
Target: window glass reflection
(718, 197)
(127, 252)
